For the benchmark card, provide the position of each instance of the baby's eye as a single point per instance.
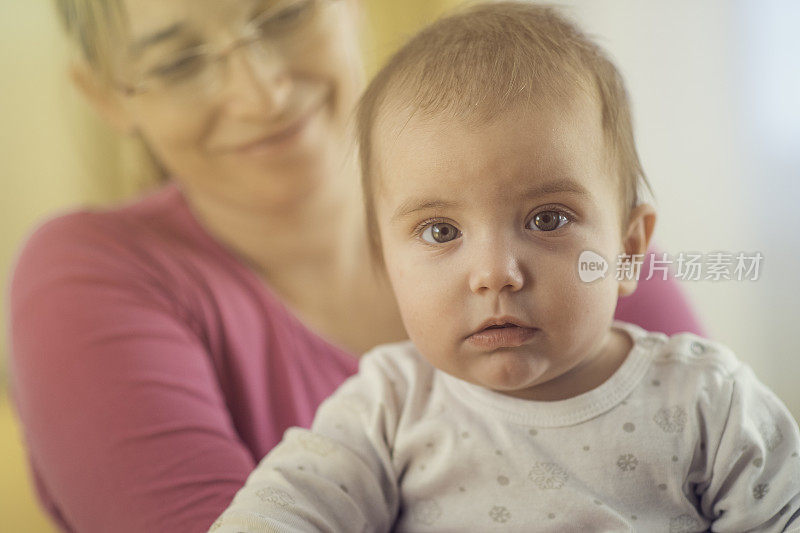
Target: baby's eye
(547, 221)
(440, 233)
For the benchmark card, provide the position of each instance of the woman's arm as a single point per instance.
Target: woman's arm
(123, 418)
(658, 304)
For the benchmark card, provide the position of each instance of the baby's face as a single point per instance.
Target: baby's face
(488, 222)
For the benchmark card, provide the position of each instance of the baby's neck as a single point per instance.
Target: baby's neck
(586, 376)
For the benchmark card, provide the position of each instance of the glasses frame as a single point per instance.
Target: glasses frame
(250, 34)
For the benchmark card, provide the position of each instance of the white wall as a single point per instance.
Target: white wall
(715, 86)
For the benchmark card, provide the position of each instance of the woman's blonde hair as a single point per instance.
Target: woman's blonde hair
(486, 58)
(96, 27)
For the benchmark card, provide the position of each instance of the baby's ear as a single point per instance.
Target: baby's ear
(640, 227)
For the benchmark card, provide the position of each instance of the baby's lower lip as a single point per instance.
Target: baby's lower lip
(507, 337)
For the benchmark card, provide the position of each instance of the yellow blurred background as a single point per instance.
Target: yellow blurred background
(56, 154)
(717, 119)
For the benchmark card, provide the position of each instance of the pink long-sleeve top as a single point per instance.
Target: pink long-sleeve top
(152, 369)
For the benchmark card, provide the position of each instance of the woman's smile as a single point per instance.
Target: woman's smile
(283, 136)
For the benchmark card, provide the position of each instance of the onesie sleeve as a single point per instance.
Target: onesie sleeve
(755, 481)
(337, 476)
(122, 413)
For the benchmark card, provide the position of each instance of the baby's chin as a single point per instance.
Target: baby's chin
(512, 372)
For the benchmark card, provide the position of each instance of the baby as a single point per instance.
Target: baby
(496, 147)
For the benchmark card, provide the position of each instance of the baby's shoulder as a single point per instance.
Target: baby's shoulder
(689, 365)
(682, 359)
(690, 349)
(399, 361)
(391, 378)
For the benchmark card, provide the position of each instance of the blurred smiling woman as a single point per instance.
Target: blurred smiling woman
(151, 341)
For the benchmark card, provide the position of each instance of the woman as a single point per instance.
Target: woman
(160, 349)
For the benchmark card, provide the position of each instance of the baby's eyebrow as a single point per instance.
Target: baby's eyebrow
(413, 205)
(556, 186)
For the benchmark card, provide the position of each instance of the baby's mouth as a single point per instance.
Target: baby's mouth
(497, 336)
(503, 322)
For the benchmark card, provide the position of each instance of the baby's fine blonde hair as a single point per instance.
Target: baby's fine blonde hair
(487, 58)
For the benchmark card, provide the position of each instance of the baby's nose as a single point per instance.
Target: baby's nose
(496, 269)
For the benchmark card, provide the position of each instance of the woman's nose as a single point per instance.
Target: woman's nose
(496, 269)
(257, 86)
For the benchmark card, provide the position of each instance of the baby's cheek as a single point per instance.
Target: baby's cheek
(596, 301)
(568, 299)
(420, 310)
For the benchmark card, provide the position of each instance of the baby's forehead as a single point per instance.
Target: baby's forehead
(552, 122)
(526, 144)
(519, 144)
(400, 109)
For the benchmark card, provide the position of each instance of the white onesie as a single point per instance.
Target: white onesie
(682, 438)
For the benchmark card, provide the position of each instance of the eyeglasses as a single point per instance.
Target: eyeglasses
(201, 71)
